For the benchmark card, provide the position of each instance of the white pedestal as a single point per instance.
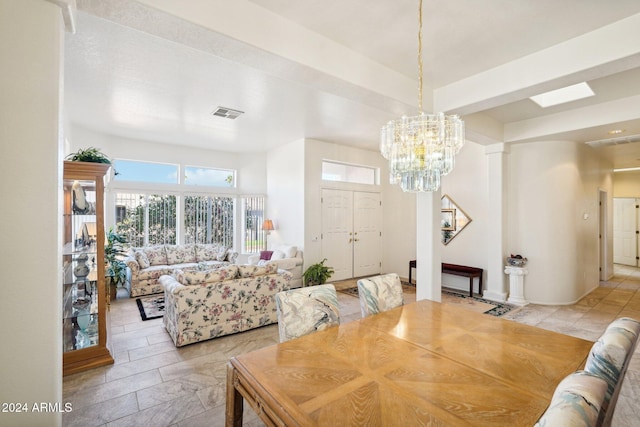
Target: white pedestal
(516, 285)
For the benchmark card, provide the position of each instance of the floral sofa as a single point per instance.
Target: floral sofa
(201, 305)
(147, 264)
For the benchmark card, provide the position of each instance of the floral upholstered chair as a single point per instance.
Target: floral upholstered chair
(609, 358)
(306, 310)
(380, 293)
(576, 401)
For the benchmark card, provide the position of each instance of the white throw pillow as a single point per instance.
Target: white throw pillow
(289, 251)
(277, 254)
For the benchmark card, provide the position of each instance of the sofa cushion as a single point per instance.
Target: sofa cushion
(141, 259)
(266, 255)
(256, 270)
(156, 255)
(180, 254)
(278, 254)
(196, 277)
(288, 250)
(154, 272)
(206, 252)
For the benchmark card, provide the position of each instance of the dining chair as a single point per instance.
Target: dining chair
(609, 358)
(576, 401)
(380, 293)
(306, 310)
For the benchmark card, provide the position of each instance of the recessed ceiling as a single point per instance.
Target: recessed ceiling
(155, 70)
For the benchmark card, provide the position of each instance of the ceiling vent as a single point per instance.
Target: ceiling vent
(614, 141)
(227, 113)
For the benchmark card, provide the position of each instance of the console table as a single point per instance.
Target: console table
(458, 270)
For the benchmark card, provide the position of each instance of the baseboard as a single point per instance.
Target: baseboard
(495, 296)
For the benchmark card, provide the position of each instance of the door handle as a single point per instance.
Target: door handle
(350, 240)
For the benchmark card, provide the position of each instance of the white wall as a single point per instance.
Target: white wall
(553, 218)
(398, 209)
(31, 52)
(467, 186)
(285, 194)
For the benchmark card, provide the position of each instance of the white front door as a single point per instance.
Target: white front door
(624, 231)
(351, 236)
(337, 232)
(367, 250)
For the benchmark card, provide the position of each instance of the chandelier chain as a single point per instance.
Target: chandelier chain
(420, 57)
(421, 149)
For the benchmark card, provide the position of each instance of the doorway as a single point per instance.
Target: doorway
(351, 233)
(625, 237)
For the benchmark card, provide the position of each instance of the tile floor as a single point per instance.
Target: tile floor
(153, 383)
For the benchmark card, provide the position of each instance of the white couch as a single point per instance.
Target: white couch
(287, 257)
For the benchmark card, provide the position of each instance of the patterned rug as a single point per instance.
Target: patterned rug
(477, 304)
(151, 307)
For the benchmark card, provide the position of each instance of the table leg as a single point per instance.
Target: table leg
(409, 273)
(233, 415)
(471, 286)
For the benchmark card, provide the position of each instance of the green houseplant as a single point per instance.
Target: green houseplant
(317, 274)
(113, 253)
(91, 154)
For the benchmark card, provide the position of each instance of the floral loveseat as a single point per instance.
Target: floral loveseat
(149, 263)
(201, 305)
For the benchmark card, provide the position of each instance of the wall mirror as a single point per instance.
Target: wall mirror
(454, 219)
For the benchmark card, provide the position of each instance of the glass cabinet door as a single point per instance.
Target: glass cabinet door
(84, 310)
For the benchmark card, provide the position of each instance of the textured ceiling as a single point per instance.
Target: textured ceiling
(336, 70)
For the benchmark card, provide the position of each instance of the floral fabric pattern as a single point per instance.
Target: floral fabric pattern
(163, 259)
(196, 277)
(257, 270)
(222, 253)
(380, 293)
(156, 255)
(306, 310)
(203, 311)
(576, 401)
(142, 259)
(611, 353)
(207, 252)
(180, 254)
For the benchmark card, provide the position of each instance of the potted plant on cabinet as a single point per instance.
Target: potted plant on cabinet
(116, 268)
(317, 274)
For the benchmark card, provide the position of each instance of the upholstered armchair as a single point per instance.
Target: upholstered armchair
(287, 257)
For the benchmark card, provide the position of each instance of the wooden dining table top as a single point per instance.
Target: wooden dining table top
(424, 363)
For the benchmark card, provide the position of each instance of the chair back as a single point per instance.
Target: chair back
(609, 358)
(306, 310)
(576, 401)
(380, 293)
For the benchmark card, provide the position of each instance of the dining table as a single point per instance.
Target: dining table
(424, 363)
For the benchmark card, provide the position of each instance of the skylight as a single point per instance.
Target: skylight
(565, 94)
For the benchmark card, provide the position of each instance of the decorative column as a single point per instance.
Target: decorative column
(428, 247)
(516, 284)
(497, 156)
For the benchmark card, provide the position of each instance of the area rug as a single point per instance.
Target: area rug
(151, 307)
(463, 300)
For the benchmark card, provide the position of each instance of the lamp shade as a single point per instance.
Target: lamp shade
(267, 225)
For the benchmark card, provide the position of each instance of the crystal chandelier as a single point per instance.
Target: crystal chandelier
(421, 149)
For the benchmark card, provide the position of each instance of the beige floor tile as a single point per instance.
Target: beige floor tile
(153, 383)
